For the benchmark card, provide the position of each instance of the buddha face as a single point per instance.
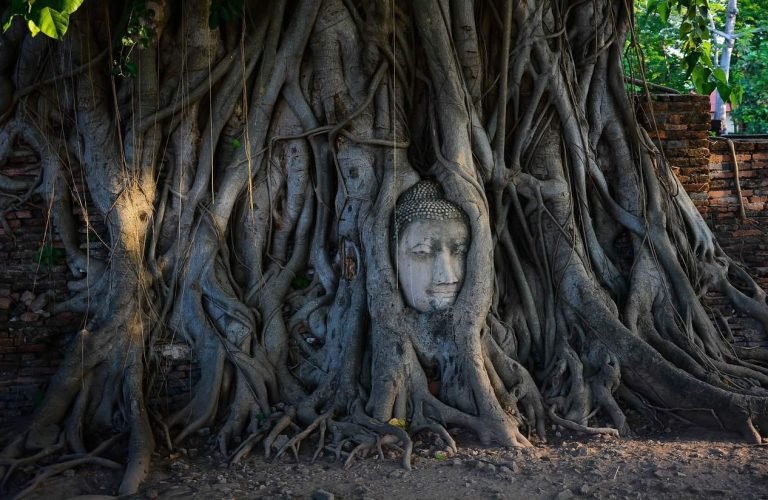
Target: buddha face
(431, 255)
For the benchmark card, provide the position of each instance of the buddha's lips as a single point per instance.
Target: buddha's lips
(444, 291)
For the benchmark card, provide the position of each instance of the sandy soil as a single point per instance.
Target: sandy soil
(679, 464)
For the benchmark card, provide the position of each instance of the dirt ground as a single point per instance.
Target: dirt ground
(674, 464)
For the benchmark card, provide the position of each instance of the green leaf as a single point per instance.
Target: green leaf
(705, 50)
(725, 92)
(700, 78)
(70, 6)
(663, 9)
(737, 94)
(51, 17)
(131, 69)
(719, 75)
(62, 6)
(32, 27)
(691, 63)
(49, 22)
(17, 8)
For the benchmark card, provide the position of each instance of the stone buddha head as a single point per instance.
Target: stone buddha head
(431, 238)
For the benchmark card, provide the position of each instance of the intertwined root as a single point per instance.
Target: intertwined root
(320, 105)
(364, 436)
(9, 465)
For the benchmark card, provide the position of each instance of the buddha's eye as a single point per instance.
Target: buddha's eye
(421, 252)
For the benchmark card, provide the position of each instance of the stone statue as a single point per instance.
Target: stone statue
(431, 237)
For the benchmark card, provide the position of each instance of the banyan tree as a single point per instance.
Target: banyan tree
(367, 219)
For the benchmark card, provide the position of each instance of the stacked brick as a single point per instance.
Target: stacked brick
(33, 276)
(681, 129)
(705, 168)
(743, 239)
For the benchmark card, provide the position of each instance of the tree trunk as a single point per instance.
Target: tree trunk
(252, 177)
(725, 57)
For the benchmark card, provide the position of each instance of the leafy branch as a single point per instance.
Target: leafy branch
(50, 17)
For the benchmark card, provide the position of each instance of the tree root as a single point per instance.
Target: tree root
(363, 432)
(68, 462)
(294, 444)
(568, 424)
(14, 463)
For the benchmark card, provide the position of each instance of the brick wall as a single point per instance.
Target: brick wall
(682, 128)
(744, 239)
(704, 165)
(33, 276)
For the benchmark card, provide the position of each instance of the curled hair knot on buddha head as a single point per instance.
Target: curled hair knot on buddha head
(424, 201)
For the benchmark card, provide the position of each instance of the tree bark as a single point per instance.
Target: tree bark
(248, 173)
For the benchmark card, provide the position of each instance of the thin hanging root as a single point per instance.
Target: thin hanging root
(295, 442)
(338, 450)
(581, 428)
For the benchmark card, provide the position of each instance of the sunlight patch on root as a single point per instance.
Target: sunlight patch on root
(485, 429)
(364, 448)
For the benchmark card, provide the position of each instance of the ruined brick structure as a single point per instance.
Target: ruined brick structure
(705, 166)
(33, 274)
(743, 238)
(33, 279)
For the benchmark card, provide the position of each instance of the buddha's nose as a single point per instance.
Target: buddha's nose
(443, 272)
